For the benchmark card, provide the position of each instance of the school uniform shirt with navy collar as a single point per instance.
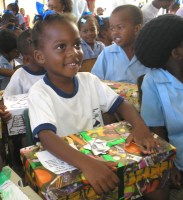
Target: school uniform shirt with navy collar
(22, 80)
(52, 109)
(91, 53)
(162, 105)
(113, 64)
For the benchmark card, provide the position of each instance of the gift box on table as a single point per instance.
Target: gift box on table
(16, 105)
(127, 90)
(141, 173)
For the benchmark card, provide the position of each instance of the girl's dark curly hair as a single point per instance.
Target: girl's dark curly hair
(87, 18)
(157, 39)
(39, 28)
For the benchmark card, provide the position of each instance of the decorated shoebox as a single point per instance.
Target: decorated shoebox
(16, 105)
(127, 90)
(139, 174)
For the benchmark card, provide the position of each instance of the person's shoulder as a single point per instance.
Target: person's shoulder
(157, 75)
(112, 48)
(85, 76)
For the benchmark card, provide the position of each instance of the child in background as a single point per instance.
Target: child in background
(66, 102)
(20, 19)
(160, 46)
(104, 34)
(26, 17)
(9, 22)
(27, 75)
(20, 83)
(89, 28)
(8, 52)
(60, 6)
(117, 62)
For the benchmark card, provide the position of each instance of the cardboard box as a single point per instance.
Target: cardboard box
(16, 104)
(139, 173)
(27, 191)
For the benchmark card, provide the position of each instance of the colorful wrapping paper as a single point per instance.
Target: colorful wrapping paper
(127, 90)
(141, 173)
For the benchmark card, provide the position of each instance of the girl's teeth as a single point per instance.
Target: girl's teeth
(118, 39)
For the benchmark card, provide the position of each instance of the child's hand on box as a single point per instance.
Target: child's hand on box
(5, 115)
(101, 176)
(144, 139)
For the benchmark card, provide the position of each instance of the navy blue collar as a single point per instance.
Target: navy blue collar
(59, 91)
(42, 72)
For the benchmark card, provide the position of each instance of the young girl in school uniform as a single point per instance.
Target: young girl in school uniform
(160, 46)
(89, 29)
(66, 102)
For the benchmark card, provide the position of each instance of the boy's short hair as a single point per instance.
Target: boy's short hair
(134, 12)
(24, 43)
(157, 39)
(8, 41)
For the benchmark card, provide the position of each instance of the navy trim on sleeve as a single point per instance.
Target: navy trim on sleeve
(41, 127)
(115, 105)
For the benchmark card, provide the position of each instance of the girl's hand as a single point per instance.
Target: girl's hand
(5, 115)
(144, 139)
(101, 176)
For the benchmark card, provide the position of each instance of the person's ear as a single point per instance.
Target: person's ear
(177, 53)
(138, 28)
(39, 57)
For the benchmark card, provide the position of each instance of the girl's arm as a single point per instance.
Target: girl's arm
(99, 174)
(140, 133)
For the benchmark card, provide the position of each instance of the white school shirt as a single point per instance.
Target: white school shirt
(21, 81)
(65, 114)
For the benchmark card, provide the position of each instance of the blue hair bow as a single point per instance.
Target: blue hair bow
(86, 13)
(15, 3)
(100, 21)
(40, 9)
(8, 12)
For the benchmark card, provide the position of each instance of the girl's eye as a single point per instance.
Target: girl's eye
(93, 29)
(61, 46)
(85, 31)
(78, 45)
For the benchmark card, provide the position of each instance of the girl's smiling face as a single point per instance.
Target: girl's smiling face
(61, 54)
(88, 32)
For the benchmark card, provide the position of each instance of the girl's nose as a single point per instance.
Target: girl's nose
(72, 52)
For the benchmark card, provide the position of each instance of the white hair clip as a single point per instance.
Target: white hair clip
(83, 20)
